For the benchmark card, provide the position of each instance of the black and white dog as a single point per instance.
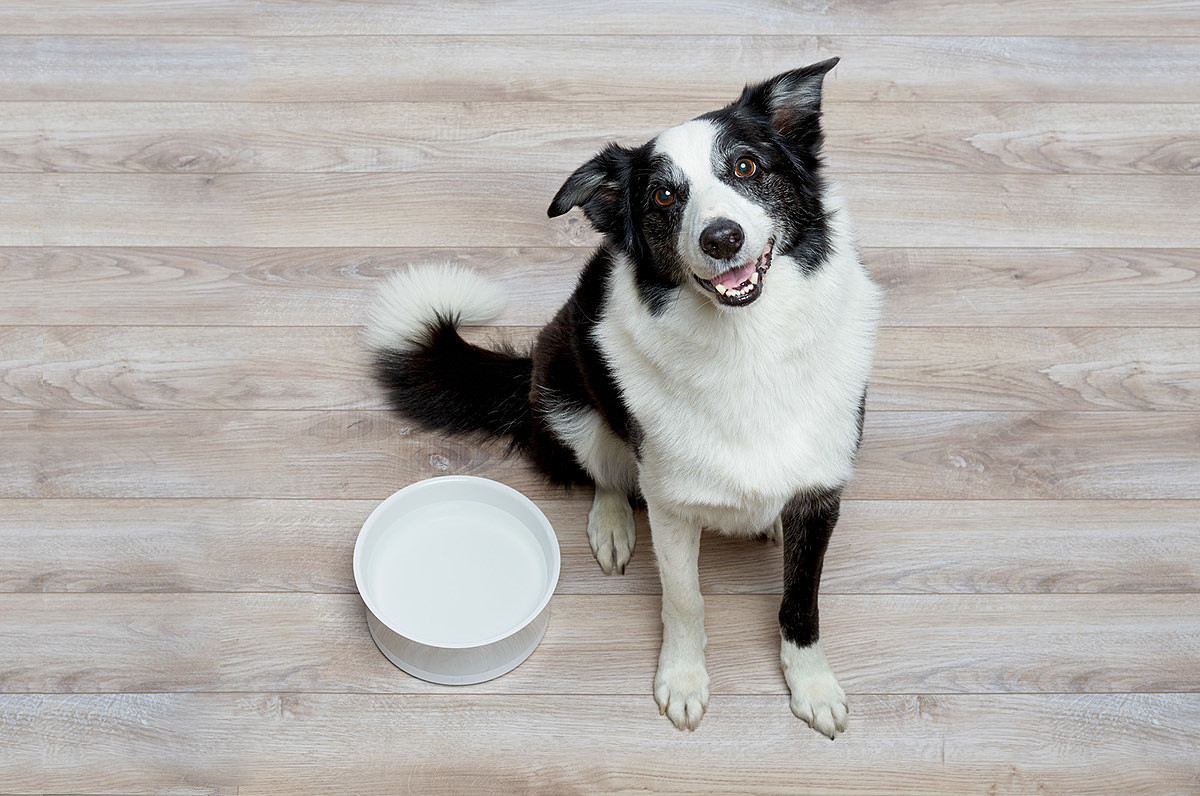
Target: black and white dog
(713, 359)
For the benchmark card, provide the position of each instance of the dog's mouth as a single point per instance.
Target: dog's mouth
(739, 286)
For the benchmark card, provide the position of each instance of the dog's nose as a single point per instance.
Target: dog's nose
(722, 239)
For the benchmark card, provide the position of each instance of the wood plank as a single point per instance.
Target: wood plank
(582, 67)
(262, 287)
(189, 367)
(892, 210)
(455, 743)
(278, 209)
(869, 137)
(20, 137)
(21, 203)
(1042, 287)
(332, 286)
(22, 361)
(919, 546)
(186, 367)
(368, 454)
(607, 644)
(1055, 455)
(1056, 138)
(1016, 210)
(23, 275)
(1010, 546)
(352, 454)
(1014, 369)
(621, 17)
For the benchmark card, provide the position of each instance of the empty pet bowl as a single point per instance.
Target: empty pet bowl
(457, 574)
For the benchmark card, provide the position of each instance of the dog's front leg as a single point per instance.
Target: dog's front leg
(681, 684)
(808, 521)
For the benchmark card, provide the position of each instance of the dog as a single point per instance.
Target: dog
(711, 361)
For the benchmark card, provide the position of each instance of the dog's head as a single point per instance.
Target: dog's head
(707, 204)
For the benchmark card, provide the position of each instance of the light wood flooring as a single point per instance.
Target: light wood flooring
(197, 198)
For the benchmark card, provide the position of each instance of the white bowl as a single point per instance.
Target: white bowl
(457, 574)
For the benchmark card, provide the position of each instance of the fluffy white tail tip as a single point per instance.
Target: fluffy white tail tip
(412, 300)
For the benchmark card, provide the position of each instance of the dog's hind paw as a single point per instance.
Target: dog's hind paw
(611, 530)
(774, 534)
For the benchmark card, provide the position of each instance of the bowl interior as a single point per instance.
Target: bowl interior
(456, 561)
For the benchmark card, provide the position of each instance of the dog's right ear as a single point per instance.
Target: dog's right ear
(791, 100)
(598, 186)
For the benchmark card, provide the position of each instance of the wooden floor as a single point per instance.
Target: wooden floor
(197, 198)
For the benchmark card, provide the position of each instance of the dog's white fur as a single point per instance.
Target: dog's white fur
(741, 409)
(409, 303)
(689, 147)
(611, 464)
(744, 407)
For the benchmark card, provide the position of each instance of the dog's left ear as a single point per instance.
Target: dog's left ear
(601, 188)
(596, 185)
(791, 100)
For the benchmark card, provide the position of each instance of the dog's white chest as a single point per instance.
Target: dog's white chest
(737, 416)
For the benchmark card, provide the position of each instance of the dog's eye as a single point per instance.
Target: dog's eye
(745, 167)
(664, 197)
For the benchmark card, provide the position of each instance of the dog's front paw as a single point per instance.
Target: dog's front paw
(681, 691)
(611, 532)
(821, 703)
(817, 698)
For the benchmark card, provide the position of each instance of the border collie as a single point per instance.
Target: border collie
(712, 360)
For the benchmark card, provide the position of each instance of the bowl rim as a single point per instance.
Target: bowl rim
(434, 482)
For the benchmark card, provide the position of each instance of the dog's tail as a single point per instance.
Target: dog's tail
(431, 374)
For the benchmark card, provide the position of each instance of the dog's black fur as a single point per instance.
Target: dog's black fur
(453, 386)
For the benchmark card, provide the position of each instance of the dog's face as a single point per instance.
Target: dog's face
(707, 205)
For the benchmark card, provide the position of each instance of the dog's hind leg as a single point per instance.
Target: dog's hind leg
(774, 534)
(611, 529)
(609, 462)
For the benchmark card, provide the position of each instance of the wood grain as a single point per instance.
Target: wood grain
(1017, 368)
(966, 287)
(591, 68)
(20, 210)
(1054, 455)
(369, 454)
(608, 644)
(1055, 138)
(182, 367)
(382, 744)
(866, 137)
(918, 546)
(187, 367)
(307, 210)
(901, 210)
(197, 199)
(625, 17)
(352, 454)
(974, 287)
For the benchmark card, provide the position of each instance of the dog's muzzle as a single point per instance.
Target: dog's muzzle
(742, 284)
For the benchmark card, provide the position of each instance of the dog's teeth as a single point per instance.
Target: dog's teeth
(754, 278)
(722, 290)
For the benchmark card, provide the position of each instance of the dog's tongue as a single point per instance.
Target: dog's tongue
(735, 276)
